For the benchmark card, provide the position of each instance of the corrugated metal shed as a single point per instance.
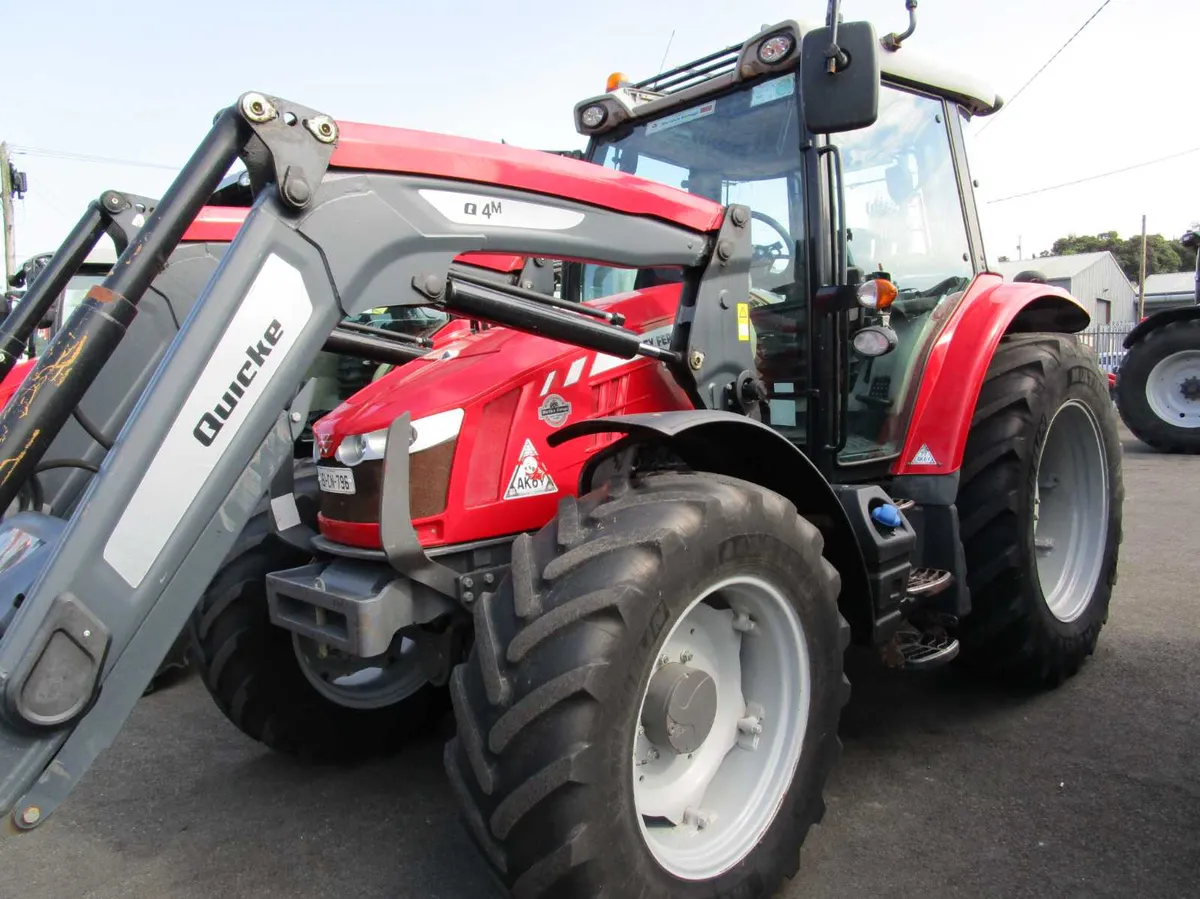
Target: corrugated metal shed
(1170, 289)
(1092, 278)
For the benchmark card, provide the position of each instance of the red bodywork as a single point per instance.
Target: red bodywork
(501, 378)
(954, 371)
(380, 148)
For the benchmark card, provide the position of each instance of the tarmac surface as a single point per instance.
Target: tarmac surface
(943, 789)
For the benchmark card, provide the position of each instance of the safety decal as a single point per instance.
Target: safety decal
(530, 478)
(554, 410)
(923, 457)
(743, 320)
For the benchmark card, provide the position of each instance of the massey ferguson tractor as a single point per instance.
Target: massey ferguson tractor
(630, 533)
(1158, 387)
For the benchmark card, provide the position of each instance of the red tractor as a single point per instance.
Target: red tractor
(628, 534)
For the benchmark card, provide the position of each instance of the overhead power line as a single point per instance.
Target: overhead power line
(87, 157)
(1128, 168)
(1010, 100)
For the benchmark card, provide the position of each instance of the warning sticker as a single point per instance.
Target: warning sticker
(530, 477)
(743, 314)
(681, 118)
(923, 457)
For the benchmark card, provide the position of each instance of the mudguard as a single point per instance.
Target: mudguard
(734, 445)
(1157, 320)
(955, 368)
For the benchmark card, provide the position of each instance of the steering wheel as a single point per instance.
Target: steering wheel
(766, 255)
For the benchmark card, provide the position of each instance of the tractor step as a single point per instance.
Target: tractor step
(923, 651)
(915, 650)
(926, 582)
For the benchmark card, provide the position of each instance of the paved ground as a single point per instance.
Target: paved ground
(1093, 790)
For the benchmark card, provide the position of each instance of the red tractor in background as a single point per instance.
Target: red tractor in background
(1158, 387)
(628, 532)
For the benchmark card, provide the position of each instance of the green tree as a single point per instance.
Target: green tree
(1162, 254)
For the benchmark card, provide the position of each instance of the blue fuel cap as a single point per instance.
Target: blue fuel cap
(887, 515)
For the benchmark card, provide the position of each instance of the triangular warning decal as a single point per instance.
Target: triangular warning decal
(923, 457)
(530, 477)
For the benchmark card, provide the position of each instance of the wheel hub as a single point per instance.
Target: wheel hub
(1173, 389)
(680, 708)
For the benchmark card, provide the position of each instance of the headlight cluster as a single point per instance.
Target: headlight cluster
(427, 433)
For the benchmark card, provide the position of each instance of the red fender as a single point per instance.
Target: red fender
(961, 354)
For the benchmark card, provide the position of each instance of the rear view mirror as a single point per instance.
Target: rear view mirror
(848, 98)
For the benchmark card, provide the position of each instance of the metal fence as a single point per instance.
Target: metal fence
(1106, 341)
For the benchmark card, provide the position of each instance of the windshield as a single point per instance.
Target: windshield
(743, 147)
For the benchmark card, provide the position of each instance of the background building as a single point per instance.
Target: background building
(1095, 279)
(1170, 289)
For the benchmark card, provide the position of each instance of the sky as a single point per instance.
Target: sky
(140, 82)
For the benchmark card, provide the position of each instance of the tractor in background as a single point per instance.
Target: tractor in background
(1158, 386)
(780, 406)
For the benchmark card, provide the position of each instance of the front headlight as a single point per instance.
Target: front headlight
(427, 432)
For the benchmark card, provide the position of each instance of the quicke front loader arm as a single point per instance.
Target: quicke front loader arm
(359, 215)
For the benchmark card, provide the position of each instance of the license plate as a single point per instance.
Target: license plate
(335, 480)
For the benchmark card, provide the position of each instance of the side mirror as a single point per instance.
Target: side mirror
(849, 97)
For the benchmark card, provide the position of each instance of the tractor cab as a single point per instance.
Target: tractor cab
(732, 127)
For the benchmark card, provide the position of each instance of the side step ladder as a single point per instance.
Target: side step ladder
(923, 648)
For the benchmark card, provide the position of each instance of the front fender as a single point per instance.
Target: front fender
(1157, 320)
(957, 364)
(737, 446)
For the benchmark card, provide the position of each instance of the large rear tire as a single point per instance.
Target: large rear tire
(568, 777)
(1158, 388)
(1040, 502)
(256, 672)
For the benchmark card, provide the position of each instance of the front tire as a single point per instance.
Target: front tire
(262, 679)
(552, 753)
(1040, 502)
(1158, 389)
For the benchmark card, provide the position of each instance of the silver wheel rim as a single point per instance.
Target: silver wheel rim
(361, 683)
(1070, 511)
(1166, 386)
(700, 814)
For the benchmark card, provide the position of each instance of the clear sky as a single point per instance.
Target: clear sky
(141, 80)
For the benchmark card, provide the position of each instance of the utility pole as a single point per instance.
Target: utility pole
(6, 188)
(1019, 256)
(1142, 276)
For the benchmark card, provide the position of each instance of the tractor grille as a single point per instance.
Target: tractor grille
(363, 504)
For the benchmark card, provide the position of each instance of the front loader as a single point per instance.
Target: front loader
(638, 592)
(54, 284)
(1158, 386)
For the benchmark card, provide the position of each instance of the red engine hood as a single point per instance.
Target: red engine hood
(471, 368)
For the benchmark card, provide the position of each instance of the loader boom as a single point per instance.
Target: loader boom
(220, 416)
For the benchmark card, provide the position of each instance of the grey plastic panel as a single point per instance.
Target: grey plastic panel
(121, 382)
(153, 468)
(378, 232)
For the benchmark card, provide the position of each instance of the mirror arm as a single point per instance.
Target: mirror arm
(893, 41)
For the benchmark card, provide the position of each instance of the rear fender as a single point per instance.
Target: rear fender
(1158, 320)
(955, 368)
(740, 447)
